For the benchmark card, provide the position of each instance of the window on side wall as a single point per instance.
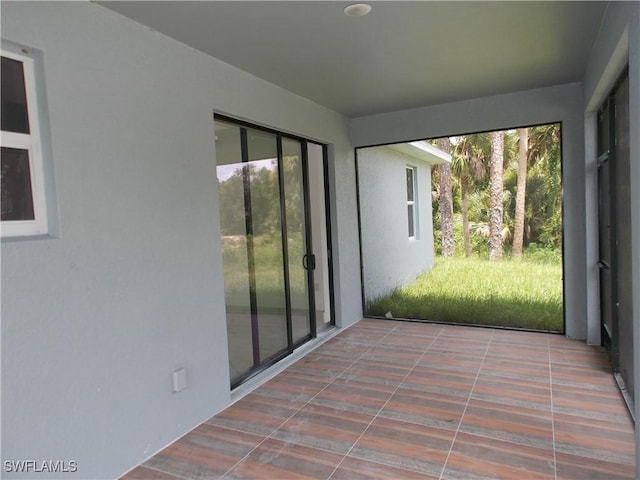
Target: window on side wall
(22, 200)
(412, 203)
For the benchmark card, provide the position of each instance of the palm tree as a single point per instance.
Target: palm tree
(496, 191)
(544, 213)
(446, 201)
(518, 229)
(469, 166)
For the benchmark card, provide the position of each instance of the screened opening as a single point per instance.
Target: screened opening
(490, 244)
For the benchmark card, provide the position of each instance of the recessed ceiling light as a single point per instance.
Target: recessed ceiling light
(357, 10)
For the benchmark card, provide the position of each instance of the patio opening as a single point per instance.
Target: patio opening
(465, 229)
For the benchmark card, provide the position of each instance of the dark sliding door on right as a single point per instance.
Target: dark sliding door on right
(614, 212)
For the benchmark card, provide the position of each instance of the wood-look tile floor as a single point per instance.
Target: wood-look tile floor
(399, 400)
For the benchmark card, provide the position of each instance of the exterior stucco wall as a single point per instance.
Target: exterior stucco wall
(389, 257)
(95, 321)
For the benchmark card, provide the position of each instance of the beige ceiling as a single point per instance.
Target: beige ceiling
(401, 55)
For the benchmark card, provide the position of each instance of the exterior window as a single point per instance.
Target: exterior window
(412, 204)
(22, 184)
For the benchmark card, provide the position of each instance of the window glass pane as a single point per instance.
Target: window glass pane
(410, 184)
(14, 97)
(17, 198)
(410, 219)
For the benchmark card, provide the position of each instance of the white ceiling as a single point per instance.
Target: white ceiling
(401, 55)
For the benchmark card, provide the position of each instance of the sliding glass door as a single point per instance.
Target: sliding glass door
(299, 258)
(614, 196)
(268, 261)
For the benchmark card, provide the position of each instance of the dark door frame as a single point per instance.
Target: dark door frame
(608, 164)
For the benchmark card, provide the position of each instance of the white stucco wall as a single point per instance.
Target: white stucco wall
(95, 321)
(389, 257)
(562, 103)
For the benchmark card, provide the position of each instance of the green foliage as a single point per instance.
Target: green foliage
(524, 294)
(543, 212)
(258, 184)
(263, 190)
(537, 254)
(268, 269)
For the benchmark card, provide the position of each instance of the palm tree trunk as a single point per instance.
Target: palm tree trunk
(446, 201)
(464, 188)
(518, 234)
(496, 202)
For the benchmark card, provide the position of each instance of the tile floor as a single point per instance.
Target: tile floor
(400, 400)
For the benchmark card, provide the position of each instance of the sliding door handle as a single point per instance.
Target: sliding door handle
(604, 265)
(309, 262)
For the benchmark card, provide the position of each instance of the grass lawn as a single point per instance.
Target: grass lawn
(518, 294)
(269, 275)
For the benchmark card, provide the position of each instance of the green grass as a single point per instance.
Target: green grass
(517, 294)
(270, 295)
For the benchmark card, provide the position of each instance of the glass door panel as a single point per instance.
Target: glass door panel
(604, 264)
(297, 245)
(265, 218)
(604, 225)
(622, 234)
(230, 172)
(614, 215)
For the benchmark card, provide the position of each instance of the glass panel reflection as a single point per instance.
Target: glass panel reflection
(410, 184)
(14, 97)
(234, 248)
(265, 221)
(17, 196)
(296, 238)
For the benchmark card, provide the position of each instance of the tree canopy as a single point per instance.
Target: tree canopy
(541, 225)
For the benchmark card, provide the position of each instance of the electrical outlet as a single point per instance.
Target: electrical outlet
(179, 379)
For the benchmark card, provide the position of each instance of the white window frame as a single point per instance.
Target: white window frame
(33, 144)
(412, 205)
